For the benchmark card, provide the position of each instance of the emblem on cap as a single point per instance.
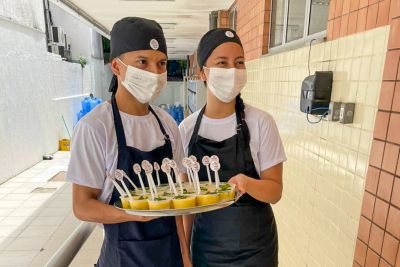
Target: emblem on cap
(229, 34)
(154, 44)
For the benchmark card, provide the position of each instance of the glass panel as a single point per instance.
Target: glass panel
(296, 19)
(319, 16)
(277, 20)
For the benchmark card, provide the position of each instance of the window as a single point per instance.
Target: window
(296, 20)
(277, 21)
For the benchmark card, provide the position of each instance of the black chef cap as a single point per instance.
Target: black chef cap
(211, 40)
(133, 34)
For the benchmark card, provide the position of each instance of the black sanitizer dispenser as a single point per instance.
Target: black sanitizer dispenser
(316, 93)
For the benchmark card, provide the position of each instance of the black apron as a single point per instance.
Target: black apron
(243, 234)
(131, 244)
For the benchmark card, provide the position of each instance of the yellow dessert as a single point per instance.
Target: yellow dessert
(139, 203)
(184, 202)
(207, 198)
(160, 203)
(226, 192)
(125, 202)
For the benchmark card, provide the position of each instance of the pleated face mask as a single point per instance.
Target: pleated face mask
(145, 86)
(226, 84)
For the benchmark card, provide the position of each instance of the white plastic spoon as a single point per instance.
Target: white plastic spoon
(206, 162)
(120, 177)
(137, 170)
(157, 169)
(174, 167)
(167, 169)
(215, 166)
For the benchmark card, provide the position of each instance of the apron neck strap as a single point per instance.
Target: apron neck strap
(166, 136)
(195, 133)
(119, 128)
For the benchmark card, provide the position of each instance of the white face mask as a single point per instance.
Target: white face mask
(226, 84)
(145, 86)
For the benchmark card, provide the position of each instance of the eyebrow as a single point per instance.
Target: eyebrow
(240, 57)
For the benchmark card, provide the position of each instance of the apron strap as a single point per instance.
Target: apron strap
(119, 128)
(196, 128)
(159, 123)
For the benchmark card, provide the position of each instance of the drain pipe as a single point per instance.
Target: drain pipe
(70, 248)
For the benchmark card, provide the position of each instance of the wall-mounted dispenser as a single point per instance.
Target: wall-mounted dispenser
(316, 93)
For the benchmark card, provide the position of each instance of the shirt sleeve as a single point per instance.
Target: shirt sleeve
(182, 132)
(87, 163)
(271, 150)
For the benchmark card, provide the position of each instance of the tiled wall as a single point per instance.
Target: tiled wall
(379, 228)
(253, 26)
(324, 176)
(347, 17)
(30, 121)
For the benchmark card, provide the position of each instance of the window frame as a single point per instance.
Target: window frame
(299, 42)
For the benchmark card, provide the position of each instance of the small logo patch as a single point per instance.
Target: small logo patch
(229, 34)
(154, 44)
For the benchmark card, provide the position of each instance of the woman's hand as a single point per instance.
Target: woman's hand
(240, 181)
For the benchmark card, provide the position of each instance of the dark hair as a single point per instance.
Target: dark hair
(239, 107)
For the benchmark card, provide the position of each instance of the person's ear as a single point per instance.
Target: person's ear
(203, 75)
(116, 67)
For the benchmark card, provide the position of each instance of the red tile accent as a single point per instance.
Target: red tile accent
(372, 16)
(332, 6)
(371, 2)
(394, 8)
(389, 249)
(376, 238)
(396, 195)
(386, 98)
(381, 125)
(398, 168)
(372, 259)
(343, 25)
(346, 7)
(390, 156)
(391, 65)
(361, 20)
(338, 8)
(380, 213)
(336, 28)
(376, 154)
(368, 205)
(363, 3)
(360, 252)
(383, 263)
(393, 221)
(385, 187)
(383, 13)
(398, 259)
(354, 4)
(352, 25)
(396, 98)
(355, 264)
(372, 179)
(364, 229)
(394, 37)
(394, 128)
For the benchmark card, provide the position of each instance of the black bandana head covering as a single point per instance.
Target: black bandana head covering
(211, 40)
(133, 34)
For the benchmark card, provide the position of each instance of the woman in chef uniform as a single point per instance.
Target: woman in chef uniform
(251, 154)
(116, 135)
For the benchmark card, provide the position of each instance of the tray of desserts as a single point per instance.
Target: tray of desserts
(177, 197)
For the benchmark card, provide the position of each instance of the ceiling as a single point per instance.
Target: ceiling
(183, 21)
